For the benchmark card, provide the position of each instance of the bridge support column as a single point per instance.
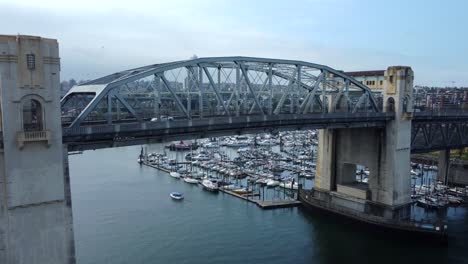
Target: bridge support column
(35, 201)
(385, 152)
(443, 166)
(325, 160)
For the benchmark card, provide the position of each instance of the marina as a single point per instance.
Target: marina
(266, 170)
(261, 169)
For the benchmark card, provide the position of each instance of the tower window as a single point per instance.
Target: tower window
(32, 116)
(31, 61)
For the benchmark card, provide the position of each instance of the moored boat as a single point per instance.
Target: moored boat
(241, 191)
(174, 174)
(176, 195)
(289, 185)
(272, 183)
(190, 180)
(209, 185)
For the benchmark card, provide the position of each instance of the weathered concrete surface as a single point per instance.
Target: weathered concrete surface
(325, 160)
(443, 165)
(386, 152)
(35, 216)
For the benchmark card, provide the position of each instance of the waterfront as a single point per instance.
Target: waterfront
(123, 214)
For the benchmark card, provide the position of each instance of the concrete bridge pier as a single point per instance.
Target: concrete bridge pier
(443, 166)
(384, 151)
(35, 199)
(452, 171)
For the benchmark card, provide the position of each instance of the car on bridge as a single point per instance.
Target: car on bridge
(162, 118)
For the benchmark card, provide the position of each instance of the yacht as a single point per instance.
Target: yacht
(174, 174)
(209, 185)
(272, 183)
(190, 180)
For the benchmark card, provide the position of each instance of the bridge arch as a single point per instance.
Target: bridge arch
(220, 86)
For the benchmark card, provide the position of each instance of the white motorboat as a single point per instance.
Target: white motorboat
(176, 195)
(272, 183)
(241, 191)
(230, 187)
(235, 144)
(174, 174)
(289, 185)
(211, 145)
(190, 180)
(209, 186)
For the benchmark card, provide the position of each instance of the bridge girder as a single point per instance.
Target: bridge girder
(433, 135)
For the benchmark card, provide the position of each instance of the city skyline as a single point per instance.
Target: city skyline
(114, 36)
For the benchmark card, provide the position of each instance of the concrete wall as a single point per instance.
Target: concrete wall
(353, 192)
(36, 219)
(325, 160)
(357, 146)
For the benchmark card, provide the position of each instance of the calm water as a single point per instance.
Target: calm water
(123, 214)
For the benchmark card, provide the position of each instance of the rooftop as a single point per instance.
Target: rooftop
(366, 73)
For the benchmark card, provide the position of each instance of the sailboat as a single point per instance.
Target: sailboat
(141, 157)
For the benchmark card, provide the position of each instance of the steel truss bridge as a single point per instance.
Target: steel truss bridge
(226, 95)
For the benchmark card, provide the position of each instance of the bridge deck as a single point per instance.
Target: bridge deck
(103, 136)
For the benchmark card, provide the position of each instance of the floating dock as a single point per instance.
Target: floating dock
(156, 167)
(265, 204)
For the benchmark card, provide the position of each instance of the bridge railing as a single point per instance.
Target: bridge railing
(33, 136)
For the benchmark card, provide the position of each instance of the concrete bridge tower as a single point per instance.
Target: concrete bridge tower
(384, 151)
(35, 204)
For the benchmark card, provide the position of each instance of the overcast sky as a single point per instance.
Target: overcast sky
(99, 37)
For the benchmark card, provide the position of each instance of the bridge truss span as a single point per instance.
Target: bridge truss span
(216, 87)
(439, 131)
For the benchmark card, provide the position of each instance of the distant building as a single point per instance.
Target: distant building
(372, 79)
